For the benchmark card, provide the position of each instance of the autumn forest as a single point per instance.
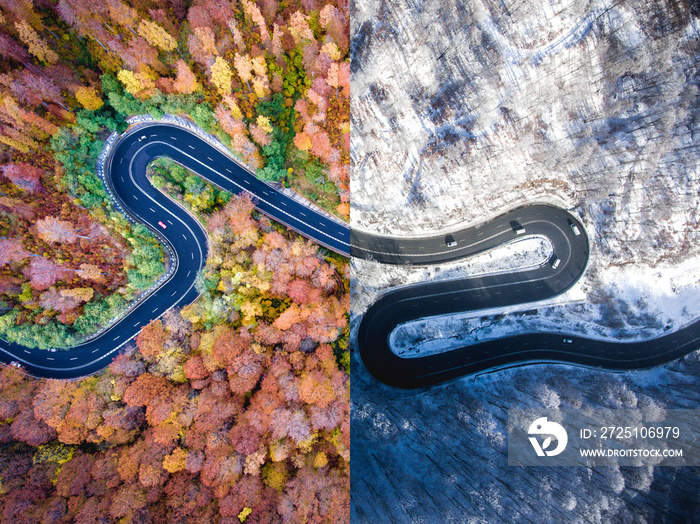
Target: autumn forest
(236, 407)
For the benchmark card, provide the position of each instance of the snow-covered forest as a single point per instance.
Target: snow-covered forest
(464, 110)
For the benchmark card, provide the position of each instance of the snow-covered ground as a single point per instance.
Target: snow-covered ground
(584, 107)
(646, 302)
(463, 110)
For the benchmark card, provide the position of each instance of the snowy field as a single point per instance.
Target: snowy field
(464, 110)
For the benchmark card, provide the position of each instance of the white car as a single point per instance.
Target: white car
(161, 224)
(554, 262)
(575, 229)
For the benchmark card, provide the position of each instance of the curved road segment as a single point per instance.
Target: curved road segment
(564, 268)
(186, 240)
(125, 172)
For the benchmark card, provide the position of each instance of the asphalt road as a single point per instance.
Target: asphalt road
(424, 300)
(183, 234)
(187, 245)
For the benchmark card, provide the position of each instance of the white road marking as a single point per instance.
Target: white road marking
(117, 337)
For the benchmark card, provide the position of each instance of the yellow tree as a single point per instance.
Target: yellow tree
(260, 131)
(88, 98)
(259, 65)
(331, 50)
(37, 46)
(261, 87)
(221, 76)
(139, 84)
(264, 123)
(157, 36)
(233, 107)
(23, 144)
(131, 83)
(82, 294)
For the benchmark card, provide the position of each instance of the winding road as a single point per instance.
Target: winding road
(183, 235)
(186, 244)
(561, 272)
